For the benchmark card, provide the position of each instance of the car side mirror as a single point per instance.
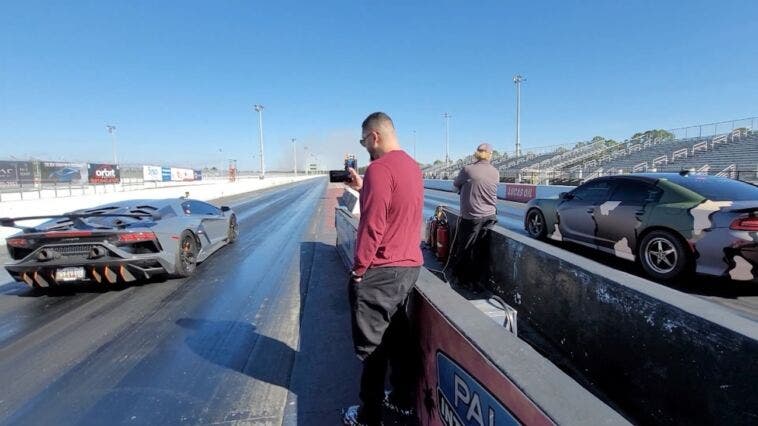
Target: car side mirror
(565, 196)
(225, 208)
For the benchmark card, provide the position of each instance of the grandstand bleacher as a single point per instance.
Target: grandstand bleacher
(736, 151)
(733, 154)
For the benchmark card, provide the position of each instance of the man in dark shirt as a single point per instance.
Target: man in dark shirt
(387, 263)
(477, 185)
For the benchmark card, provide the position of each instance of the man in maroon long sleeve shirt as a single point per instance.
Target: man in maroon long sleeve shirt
(386, 265)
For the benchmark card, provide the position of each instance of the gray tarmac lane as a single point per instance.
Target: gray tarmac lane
(326, 373)
(217, 347)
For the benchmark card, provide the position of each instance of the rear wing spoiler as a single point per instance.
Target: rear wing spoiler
(77, 218)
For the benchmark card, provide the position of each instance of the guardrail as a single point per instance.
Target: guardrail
(27, 191)
(507, 191)
(700, 146)
(730, 171)
(679, 153)
(50, 190)
(663, 159)
(711, 129)
(641, 167)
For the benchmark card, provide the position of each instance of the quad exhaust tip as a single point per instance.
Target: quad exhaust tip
(110, 275)
(27, 279)
(107, 274)
(40, 280)
(125, 274)
(96, 275)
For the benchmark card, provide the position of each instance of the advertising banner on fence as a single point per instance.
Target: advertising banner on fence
(152, 173)
(520, 193)
(58, 172)
(14, 173)
(459, 386)
(182, 175)
(103, 173)
(166, 174)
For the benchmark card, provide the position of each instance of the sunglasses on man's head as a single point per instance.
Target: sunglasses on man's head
(363, 139)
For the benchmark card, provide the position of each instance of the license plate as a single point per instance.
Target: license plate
(70, 274)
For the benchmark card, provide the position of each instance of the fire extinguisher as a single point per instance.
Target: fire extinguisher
(443, 240)
(429, 230)
(431, 236)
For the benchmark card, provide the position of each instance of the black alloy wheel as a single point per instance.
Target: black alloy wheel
(186, 260)
(234, 231)
(535, 224)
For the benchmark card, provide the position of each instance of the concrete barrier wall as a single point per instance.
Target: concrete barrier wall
(474, 371)
(439, 184)
(65, 190)
(351, 200)
(542, 191)
(660, 355)
(207, 190)
(552, 191)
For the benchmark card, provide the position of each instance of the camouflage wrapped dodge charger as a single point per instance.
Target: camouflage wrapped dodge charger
(672, 223)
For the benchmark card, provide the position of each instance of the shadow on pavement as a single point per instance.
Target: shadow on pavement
(326, 372)
(247, 344)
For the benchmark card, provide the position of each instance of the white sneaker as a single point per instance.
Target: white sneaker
(350, 416)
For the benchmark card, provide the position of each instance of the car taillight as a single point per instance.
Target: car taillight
(18, 242)
(136, 237)
(745, 224)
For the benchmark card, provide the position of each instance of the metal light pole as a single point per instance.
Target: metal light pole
(294, 156)
(517, 80)
(259, 109)
(112, 131)
(305, 168)
(447, 116)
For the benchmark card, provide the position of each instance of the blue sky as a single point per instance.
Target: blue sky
(179, 78)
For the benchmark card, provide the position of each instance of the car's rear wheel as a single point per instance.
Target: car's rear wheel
(234, 231)
(186, 257)
(535, 224)
(663, 255)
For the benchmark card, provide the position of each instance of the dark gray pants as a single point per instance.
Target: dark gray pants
(466, 264)
(382, 336)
